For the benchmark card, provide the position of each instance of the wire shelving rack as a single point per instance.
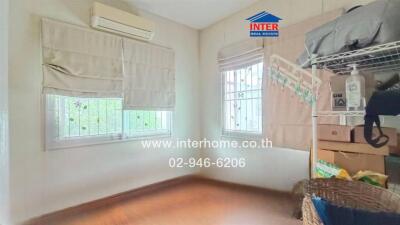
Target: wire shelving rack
(377, 59)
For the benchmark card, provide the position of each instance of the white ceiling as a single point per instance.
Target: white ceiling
(197, 14)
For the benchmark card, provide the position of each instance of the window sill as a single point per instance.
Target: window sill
(88, 142)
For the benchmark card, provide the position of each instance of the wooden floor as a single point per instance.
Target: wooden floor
(190, 201)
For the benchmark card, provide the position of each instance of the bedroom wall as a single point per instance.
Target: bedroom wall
(275, 168)
(4, 150)
(45, 181)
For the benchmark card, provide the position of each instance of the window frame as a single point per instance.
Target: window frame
(244, 135)
(76, 142)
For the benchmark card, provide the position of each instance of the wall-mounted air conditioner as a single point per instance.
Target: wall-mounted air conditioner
(120, 22)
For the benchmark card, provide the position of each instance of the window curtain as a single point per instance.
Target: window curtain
(81, 62)
(149, 76)
(241, 54)
(287, 120)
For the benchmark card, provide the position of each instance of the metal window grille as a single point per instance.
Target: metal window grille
(75, 117)
(146, 123)
(242, 99)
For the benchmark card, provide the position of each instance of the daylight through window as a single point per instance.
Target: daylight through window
(242, 97)
(77, 119)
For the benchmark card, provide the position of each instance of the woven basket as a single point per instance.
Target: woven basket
(352, 194)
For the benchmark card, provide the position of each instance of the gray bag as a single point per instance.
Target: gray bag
(375, 23)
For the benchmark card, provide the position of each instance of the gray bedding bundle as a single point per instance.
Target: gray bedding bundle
(375, 23)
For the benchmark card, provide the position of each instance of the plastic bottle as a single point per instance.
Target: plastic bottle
(355, 91)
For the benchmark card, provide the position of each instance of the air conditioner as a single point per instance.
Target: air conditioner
(113, 20)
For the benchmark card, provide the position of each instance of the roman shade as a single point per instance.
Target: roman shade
(241, 54)
(149, 76)
(81, 62)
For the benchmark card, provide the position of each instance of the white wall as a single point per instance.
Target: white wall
(4, 150)
(43, 182)
(272, 168)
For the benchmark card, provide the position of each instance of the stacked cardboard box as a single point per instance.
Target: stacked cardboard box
(393, 169)
(358, 133)
(337, 145)
(354, 156)
(330, 132)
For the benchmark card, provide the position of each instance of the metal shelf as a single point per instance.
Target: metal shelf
(375, 59)
(341, 113)
(378, 58)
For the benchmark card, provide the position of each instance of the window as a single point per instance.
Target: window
(77, 121)
(146, 123)
(242, 99)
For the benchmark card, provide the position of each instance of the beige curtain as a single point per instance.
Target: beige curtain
(240, 54)
(149, 76)
(287, 118)
(80, 61)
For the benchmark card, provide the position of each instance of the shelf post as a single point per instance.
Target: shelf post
(314, 119)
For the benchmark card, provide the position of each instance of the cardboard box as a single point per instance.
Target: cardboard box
(396, 150)
(353, 148)
(330, 132)
(338, 90)
(358, 133)
(392, 164)
(338, 93)
(354, 162)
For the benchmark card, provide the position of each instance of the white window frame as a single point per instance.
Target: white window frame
(242, 134)
(75, 142)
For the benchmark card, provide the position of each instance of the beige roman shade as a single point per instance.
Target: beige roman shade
(149, 76)
(241, 54)
(80, 61)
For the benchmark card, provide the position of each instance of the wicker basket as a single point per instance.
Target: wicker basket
(352, 194)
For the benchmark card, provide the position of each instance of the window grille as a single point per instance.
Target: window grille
(242, 99)
(147, 123)
(90, 120)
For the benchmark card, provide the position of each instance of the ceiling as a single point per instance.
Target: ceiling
(197, 14)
